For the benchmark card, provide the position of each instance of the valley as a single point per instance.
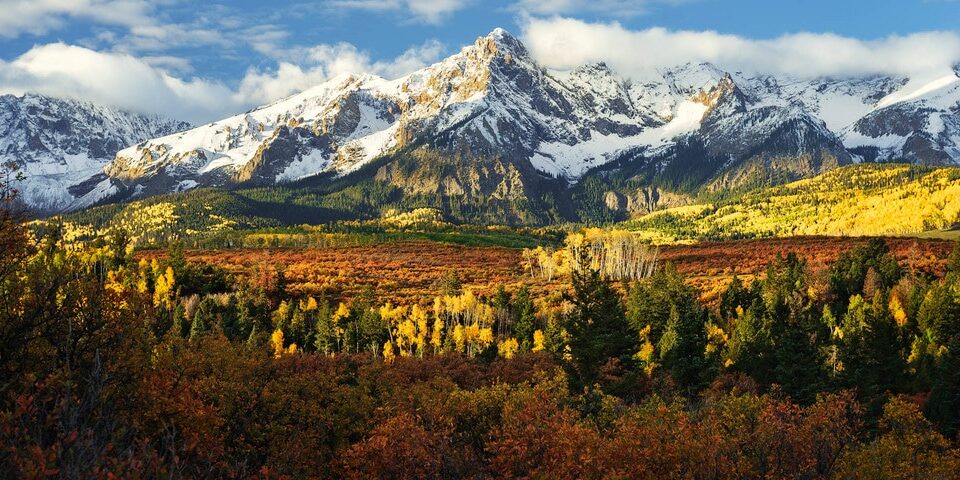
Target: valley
(401, 270)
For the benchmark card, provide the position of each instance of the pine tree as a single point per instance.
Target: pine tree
(870, 352)
(943, 406)
(325, 331)
(682, 346)
(597, 327)
(199, 326)
(650, 301)
(525, 321)
(737, 295)
(180, 327)
(751, 347)
(450, 284)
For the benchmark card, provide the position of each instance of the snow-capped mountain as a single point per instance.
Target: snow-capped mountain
(62, 146)
(492, 102)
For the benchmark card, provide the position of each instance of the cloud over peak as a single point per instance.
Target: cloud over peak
(148, 85)
(565, 43)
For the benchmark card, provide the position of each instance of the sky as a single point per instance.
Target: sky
(203, 60)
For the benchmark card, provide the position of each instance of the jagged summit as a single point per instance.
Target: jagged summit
(503, 124)
(506, 42)
(62, 145)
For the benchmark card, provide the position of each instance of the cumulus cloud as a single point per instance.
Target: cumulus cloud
(428, 11)
(565, 43)
(40, 16)
(327, 61)
(151, 84)
(113, 79)
(608, 8)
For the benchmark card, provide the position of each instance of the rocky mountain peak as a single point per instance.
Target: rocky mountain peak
(501, 42)
(62, 145)
(492, 101)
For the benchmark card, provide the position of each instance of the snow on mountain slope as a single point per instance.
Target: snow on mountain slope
(61, 146)
(492, 99)
(919, 123)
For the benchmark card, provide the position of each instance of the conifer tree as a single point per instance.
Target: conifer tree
(597, 327)
(682, 346)
(525, 322)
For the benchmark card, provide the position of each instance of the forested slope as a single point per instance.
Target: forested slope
(866, 199)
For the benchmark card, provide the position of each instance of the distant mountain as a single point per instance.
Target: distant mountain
(62, 146)
(489, 135)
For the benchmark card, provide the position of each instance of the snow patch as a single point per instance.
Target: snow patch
(916, 89)
(307, 165)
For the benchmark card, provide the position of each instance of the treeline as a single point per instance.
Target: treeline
(616, 254)
(200, 220)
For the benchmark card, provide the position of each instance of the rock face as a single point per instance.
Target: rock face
(61, 146)
(489, 124)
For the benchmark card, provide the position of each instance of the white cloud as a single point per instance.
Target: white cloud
(428, 11)
(605, 8)
(151, 84)
(327, 61)
(565, 43)
(169, 63)
(40, 16)
(113, 79)
(565, 7)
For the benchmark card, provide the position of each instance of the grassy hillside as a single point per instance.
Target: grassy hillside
(212, 218)
(857, 200)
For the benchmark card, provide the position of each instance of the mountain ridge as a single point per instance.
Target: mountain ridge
(496, 127)
(62, 145)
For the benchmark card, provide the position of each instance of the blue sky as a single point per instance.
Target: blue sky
(201, 59)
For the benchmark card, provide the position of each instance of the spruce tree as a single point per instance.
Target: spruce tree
(597, 327)
(682, 346)
(525, 319)
(198, 327)
(943, 406)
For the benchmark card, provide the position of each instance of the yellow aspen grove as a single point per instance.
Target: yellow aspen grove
(438, 307)
(538, 341)
(471, 335)
(164, 289)
(276, 341)
(388, 354)
(508, 348)
(467, 320)
(342, 313)
(406, 336)
(436, 338)
(616, 254)
(418, 317)
(143, 267)
(896, 309)
(459, 338)
(485, 338)
(716, 338)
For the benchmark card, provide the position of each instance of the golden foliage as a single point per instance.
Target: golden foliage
(860, 200)
(508, 348)
(616, 254)
(538, 341)
(276, 342)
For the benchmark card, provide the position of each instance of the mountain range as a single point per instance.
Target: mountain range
(490, 135)
(62, 146)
